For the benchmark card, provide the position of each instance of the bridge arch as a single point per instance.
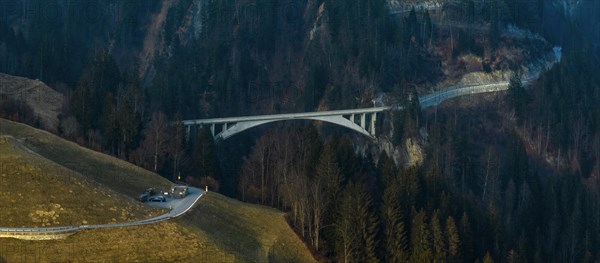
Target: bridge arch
(345, 118)
(223, 128)
(337, 120)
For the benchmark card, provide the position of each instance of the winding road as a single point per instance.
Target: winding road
(362, 120)
(435, 98)
(179, 207)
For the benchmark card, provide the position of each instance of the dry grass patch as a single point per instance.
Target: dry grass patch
(252, 233)
(79, 185)
(36, 192)
(162, 242)
(116, 174)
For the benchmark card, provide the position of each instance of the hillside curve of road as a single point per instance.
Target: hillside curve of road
(179, 208)
(435, 98)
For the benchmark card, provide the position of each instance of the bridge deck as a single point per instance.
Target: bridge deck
(426, 101)
(347, 118)
(285, 116)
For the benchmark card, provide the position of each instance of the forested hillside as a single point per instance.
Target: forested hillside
(509, 177)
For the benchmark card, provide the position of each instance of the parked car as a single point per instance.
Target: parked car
(157, 199)
(144, 197)
(150, 191)
(147, 194)
(179, 191)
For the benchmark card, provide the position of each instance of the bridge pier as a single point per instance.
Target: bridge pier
(346, 118)
(362, 120)
(373, 120)
(187, 133)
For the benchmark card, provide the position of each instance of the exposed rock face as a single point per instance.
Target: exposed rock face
(410, 154)
(392, 151)
(414, 155)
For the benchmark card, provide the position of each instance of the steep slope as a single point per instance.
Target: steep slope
(114, 173)
(45, 180)
(256, 233)
(37, 192)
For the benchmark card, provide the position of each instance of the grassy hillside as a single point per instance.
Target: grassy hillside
(162, 242)
(219, 229)
(38, 168)
(252, 233)
(37, 192)
(114, 173)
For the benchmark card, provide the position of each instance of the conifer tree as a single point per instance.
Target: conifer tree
(326, 190)
(439, 241)
(517, 96)
(466, 238)
(356, 226)
(488, 258)
(394, 231)
(204, 155)
(420, 238)
(453, 241)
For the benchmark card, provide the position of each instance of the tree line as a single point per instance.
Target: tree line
(344, 206)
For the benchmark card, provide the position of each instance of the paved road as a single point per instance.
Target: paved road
(426, 101)
(435, 98)
(179, 207)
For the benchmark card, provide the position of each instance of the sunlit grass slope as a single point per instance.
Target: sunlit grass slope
(252, 233)
(41, 171)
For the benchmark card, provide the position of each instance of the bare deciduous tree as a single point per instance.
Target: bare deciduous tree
(156, 141)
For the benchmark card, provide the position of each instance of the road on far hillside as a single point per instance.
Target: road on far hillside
(435, 98)
(178, 208)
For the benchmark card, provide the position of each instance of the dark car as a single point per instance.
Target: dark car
(150, 191)
(144, 197)
(157, 199)
(179, 191)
